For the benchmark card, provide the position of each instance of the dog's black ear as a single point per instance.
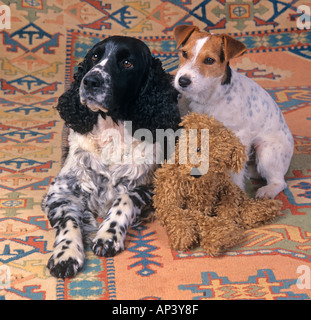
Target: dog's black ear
(156, 107)
(77, 116)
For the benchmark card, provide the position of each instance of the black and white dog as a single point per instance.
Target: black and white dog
(117, 84)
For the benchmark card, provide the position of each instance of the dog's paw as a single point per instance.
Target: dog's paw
(270, 191)
(66, 261)
(107, 245)
(64, 269)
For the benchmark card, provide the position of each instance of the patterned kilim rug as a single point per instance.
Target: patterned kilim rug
(41, 42)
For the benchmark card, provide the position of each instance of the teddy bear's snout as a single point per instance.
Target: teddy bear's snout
(198, 172)
(196, 175)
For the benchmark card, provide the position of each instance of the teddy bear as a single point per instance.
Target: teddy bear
(195, 198)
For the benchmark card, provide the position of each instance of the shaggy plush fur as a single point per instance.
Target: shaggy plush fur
(118, 81)
(208, 210)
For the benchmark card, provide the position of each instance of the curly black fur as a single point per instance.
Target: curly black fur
(156, 108)
(77, 116)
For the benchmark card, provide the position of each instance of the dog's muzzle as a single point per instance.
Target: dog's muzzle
(92, 83)
(93, 91)
(184, 82)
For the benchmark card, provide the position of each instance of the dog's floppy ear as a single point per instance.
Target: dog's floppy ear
(183, 33)
(156, 106)
(77, 116)
(232, 48)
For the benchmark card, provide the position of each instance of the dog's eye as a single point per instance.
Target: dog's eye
(209, 61)
(127, 64)
(95, 57)
(184, 54)
(198, 149)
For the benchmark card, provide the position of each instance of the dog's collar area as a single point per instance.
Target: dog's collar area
(102, 113)
(227, 76)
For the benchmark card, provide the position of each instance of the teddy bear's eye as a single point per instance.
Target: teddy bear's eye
(198, 149)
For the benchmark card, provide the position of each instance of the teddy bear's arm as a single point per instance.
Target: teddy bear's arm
(170, 209)
(167, 188)
(218, 234)
(180, 226)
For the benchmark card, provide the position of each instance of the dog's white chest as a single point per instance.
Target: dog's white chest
(109, 156)
(244, 107)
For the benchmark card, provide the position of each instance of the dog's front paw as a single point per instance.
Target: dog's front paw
(66, 261)
(107, 245)
(64, 269)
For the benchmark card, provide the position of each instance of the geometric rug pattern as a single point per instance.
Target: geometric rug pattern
(40, 49)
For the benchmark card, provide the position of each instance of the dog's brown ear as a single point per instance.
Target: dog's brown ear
(233, 48)
(182, 34)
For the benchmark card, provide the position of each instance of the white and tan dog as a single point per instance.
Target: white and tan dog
(205, 78)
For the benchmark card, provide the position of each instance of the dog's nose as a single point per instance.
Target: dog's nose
(184, 82)
(91, 82)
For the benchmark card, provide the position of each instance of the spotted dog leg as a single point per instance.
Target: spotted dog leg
(126, 210)
(68, 254)
(64, 205)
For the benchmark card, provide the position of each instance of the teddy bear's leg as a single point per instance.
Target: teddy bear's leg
(180, 226)
(228, 206)
(219, 234)
(223, 231)
(257, 212)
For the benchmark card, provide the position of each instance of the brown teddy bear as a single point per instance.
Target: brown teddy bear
(199, 204)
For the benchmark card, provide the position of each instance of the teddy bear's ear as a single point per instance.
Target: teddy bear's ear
(237, 156)
(228, 151)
